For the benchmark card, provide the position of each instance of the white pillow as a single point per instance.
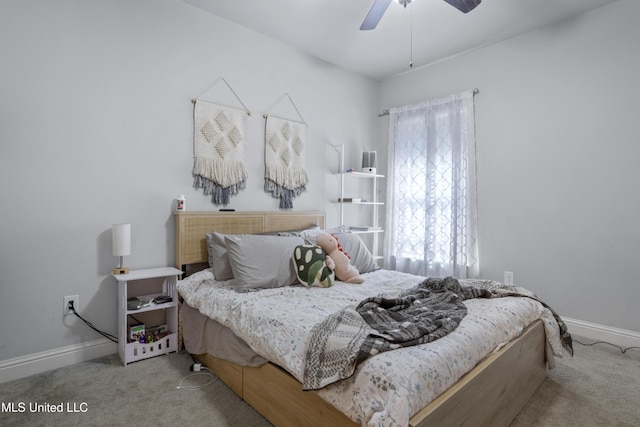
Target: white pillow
(260, 261)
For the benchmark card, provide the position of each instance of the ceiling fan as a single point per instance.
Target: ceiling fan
(380, 7)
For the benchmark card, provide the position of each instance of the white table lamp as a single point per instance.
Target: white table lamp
(121, 243)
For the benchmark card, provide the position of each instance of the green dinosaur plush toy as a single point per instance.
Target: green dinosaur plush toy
(311, 266)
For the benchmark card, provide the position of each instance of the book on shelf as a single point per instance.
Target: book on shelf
(350, 199)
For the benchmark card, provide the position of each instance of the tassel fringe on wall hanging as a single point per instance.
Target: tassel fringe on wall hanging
(285, 175)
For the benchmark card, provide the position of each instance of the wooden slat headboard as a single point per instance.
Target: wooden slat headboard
(191, 228)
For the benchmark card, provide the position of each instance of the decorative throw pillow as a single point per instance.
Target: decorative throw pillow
(311, 268)
(260, 261)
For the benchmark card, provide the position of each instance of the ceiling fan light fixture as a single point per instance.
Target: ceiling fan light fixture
(403, 2)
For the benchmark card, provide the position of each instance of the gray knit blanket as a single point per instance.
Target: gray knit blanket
(419, 315)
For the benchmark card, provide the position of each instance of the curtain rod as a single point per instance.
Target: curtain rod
(386, 112)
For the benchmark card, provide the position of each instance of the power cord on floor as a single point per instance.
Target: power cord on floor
(622, 349)
(89, 324)
(198, 370)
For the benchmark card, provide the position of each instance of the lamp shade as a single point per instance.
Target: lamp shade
(121, 239)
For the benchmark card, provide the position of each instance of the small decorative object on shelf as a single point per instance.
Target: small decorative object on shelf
(369, 162)
(180, 203)
(138, 341)
(136, 331)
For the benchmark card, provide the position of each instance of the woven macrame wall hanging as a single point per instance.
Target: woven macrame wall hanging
(285, 176)
(220, 150)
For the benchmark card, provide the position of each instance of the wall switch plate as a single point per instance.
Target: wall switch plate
(508, 277)
(76, 304)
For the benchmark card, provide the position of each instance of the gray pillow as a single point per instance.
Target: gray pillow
(360, 256)
(209, 237)
(260, 261)
(218, 257)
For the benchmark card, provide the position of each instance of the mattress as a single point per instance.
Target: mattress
(387, 389)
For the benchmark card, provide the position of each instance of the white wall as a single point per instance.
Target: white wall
(558, 150)
(96, 128)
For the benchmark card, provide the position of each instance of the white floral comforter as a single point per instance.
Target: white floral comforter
(387, 389)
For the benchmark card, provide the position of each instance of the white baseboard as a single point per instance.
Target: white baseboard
(597, 332)
(32, 364)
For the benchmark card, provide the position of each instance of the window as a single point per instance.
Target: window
(431, 207)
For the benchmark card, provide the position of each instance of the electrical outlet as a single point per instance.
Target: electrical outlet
(76, 304)
(508, 277)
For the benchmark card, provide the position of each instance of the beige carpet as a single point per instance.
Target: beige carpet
(597, 387)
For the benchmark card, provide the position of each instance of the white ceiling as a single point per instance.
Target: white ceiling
(329, 29)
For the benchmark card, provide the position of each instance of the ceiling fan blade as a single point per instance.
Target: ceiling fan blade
(375, 14)
(464, 6)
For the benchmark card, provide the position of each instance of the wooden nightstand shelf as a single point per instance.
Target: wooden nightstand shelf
(134, 351)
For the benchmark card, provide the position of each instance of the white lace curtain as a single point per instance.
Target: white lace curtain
(431, 213)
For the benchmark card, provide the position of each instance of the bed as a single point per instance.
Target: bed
(491, 392)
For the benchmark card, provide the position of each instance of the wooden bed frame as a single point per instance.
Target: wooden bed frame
(491, 394)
